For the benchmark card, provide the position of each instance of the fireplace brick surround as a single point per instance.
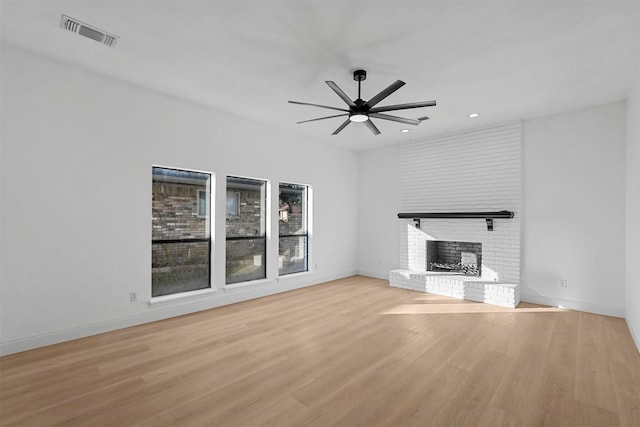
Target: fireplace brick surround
(474, 171)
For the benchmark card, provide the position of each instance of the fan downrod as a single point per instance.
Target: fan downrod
(359, 76)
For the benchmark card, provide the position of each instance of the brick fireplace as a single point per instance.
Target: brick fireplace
(474, 171)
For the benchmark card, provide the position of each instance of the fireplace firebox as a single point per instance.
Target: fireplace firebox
(454, 257)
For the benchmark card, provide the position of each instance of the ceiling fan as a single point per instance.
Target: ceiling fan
(362, 111)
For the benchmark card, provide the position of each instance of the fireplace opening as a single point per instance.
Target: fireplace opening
(454, 257)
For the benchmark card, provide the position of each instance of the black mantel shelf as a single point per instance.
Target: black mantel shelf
(488, 216)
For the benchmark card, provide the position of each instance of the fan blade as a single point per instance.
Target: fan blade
(342, 126)
(403, 106)
(322, 118)
(341, 93)
(318, 105)
(372, 127)
(385, 92)
(395, 118)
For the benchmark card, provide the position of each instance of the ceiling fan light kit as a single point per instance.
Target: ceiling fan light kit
(361, 111)
(358, 117)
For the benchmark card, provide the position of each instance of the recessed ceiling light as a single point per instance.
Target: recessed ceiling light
(473, 115)
(405, 130)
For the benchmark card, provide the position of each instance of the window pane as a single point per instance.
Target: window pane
(175, 204)
(179, 267)
(246, 260)
(181, 243)
(246, 229)
(292, 225)
(293, 255)
(292, 213)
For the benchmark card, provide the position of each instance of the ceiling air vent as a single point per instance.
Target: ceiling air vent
(79, 27)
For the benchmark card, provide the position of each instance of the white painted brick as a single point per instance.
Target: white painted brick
(474, 171)
(463, 287)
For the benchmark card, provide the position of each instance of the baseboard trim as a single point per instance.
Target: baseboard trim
(373, 274)
(634, 335)
(572, 305)
(165, 311)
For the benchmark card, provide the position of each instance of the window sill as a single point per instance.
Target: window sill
(181, 296)
(293, 275)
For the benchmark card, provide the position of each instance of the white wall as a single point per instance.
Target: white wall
(379, 204)
(574, 209)
(77, 151)
(632, 299)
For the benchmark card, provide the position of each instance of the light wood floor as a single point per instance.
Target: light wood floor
(352, 352)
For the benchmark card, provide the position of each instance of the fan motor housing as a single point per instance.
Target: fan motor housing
(361, 106)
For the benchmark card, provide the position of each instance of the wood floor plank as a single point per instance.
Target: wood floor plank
(351, 352)
(595, 383)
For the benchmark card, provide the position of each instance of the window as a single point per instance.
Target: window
(246, 221)
(181, 240)
(203, 203)
(293, 231)
(233, 204)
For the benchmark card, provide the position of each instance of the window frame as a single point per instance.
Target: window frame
(306, 206)
(265, 227)
(208, 231)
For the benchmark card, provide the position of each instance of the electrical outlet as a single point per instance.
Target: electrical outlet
(563, 283)
(133, 297)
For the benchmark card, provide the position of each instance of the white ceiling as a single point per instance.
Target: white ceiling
(504, 60)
